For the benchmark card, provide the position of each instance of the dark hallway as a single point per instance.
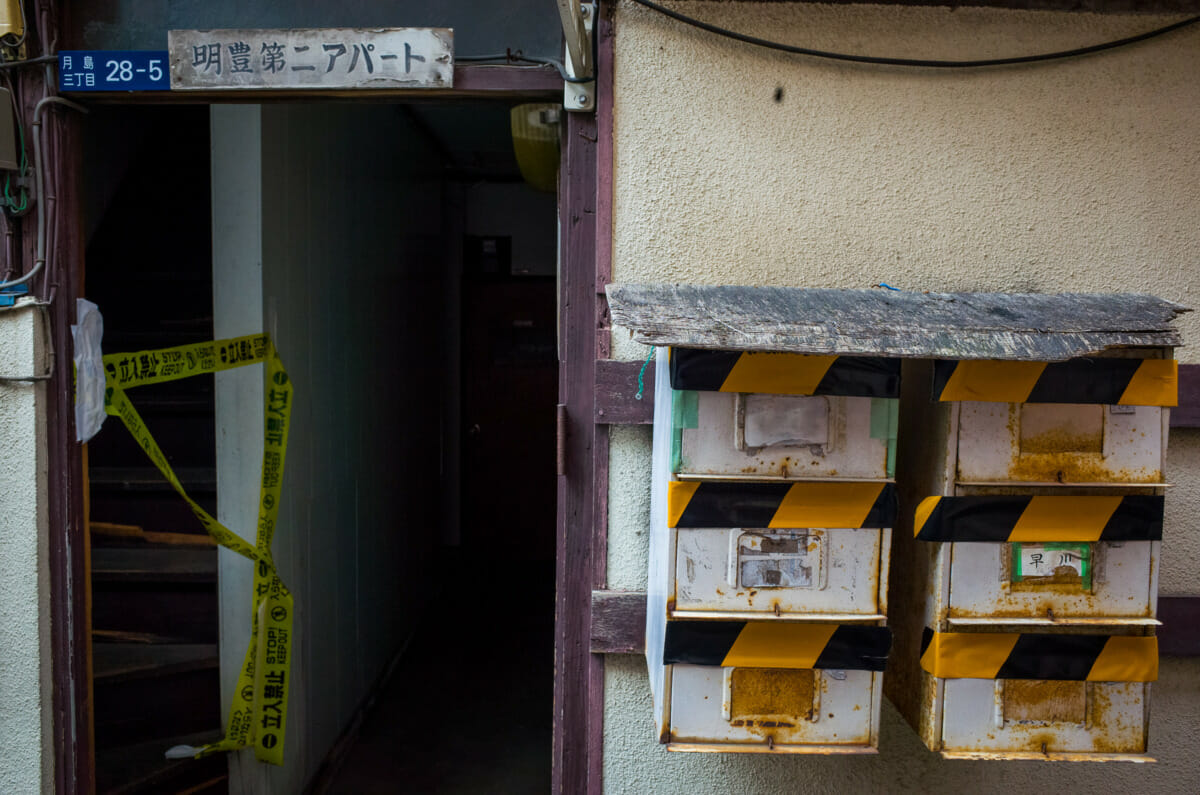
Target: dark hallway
(468, 707)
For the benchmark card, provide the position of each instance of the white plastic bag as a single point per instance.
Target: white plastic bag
(89, 370)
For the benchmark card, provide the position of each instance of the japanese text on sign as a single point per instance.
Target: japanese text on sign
(1034, 562)
(336, 58)
(113, 70)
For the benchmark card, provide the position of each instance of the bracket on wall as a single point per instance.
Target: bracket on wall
(577, 22)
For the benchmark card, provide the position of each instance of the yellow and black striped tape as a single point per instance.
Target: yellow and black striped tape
(258, 714)
(780, 505)
(784, 373)
(1025, 518)
(777, 644)
(1125, 382)
(1091, 658)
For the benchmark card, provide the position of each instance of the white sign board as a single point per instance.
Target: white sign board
(329, 58)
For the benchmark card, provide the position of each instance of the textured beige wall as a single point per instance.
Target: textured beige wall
(1078, 175)
(1074, 175)
(26, 750)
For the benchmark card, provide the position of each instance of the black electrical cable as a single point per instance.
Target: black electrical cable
(936, 64)
(516, 58)
(29, 61)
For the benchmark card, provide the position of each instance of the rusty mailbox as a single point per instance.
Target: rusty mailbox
(772, 503)
(1032, 520)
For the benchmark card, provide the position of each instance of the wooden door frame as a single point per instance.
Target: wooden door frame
(585, 221)
(74, 764)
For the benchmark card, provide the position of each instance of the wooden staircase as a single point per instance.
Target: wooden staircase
(154, 606)
(155, 660)
(154, 610)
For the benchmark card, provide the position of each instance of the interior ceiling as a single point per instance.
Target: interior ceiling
(475, 139)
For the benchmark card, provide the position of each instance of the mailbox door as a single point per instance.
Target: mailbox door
(1059, 443)
(1052, 581)
(794, 573)
(745, 708)
(785, 436)
(1037, 716)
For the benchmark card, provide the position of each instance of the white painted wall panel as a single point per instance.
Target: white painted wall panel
(347, 278)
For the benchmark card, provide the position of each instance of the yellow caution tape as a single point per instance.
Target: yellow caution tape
(258, 714)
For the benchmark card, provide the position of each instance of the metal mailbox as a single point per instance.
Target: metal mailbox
(792, 574)
(785, 437)
(771, 509)
(1030, 567)
(1037, 719)
(1060, 443)
(1047, 558)
(774, 708)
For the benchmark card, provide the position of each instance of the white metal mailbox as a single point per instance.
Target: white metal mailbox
(1053, 583)
(1032, 557)
(770, 539)
(1043, 719)
(769, 709)
(787, 437)
(1060, 443)
(794, 574)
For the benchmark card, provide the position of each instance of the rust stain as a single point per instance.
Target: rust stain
(771, 695)
(1045, 701)
(1046, 716)
(1059, 441)
(1067, 467)
(1062, 457)
(1061, 576)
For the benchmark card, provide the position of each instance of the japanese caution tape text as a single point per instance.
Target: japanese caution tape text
(258, 714)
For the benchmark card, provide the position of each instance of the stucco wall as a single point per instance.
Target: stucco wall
(1078, 175)
(26, 754)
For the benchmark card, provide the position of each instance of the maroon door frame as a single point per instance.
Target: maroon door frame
(585, 212)
(585, 201)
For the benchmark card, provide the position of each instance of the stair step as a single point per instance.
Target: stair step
(118, 662)
(140, 709)
(176, 564)
(144, 638)
(141, 768)
(110, 534)
(148, 479)
(149, 404)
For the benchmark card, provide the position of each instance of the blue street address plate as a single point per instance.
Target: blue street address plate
(113, 70)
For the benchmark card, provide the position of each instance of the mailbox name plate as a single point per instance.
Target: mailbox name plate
(308, 59)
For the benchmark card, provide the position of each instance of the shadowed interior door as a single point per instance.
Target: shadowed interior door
(510, 388)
